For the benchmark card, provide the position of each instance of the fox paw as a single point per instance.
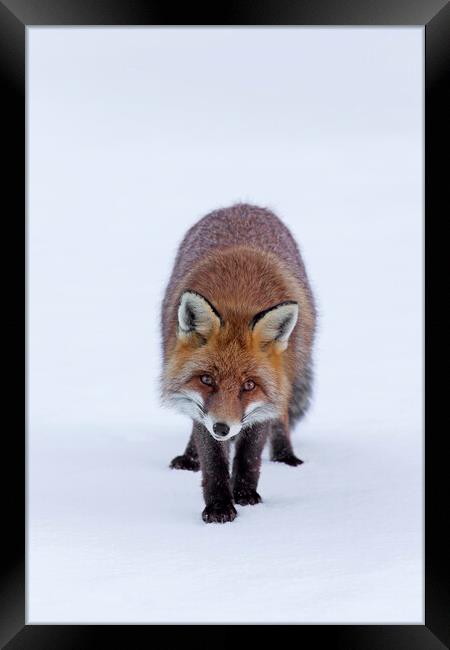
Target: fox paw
(246, 497)
(287, 457)
(219, 513)
(185, 462)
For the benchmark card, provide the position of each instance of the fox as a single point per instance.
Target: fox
(238, 322)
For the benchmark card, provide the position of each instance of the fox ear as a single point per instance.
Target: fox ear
(196, 314)
(275, 325)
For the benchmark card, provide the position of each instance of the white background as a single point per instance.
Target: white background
(134, 134)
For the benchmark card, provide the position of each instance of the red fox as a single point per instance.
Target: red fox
(238, 321)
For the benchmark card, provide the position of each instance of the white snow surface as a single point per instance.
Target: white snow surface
(133, 135)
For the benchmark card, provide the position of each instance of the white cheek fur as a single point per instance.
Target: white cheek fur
(252, 406)
(188, 402)
(196, 397)
(259, 412)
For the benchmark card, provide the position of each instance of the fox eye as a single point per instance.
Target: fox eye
(207, 379)
(248, 385)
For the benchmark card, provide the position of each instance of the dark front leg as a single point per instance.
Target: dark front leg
(189, 460)
(213, 457)
(281, 447)
(247, 464)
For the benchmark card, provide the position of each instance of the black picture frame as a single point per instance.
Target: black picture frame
(15, 17)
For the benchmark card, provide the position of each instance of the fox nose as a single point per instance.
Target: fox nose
(221, 429)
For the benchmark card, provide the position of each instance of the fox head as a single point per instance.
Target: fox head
(229, 373)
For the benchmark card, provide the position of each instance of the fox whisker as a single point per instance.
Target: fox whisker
(259, 413)
(183, 398)
(192, 399)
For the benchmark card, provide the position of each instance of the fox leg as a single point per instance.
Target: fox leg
(281, 447)
(213, 457)
(247, 464)
(188, 460)
(281, 450)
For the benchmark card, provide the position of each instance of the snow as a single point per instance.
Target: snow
(125, 153)
(122, 540)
